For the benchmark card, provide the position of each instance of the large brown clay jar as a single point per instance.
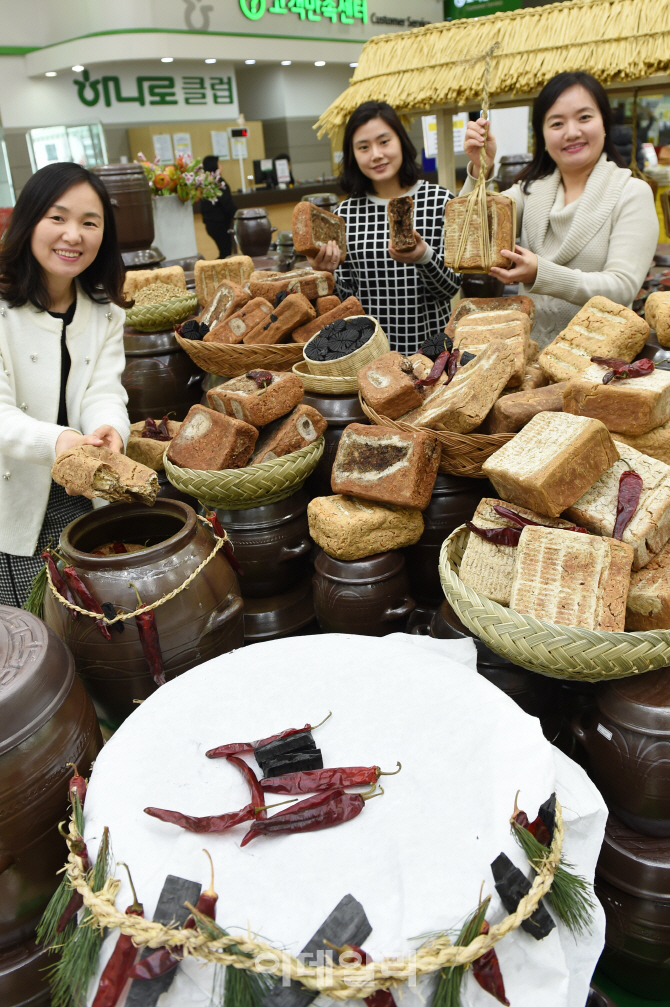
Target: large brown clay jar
(159, 376)
(627, 737)
(46, 721)
(368, 596)
(253, 231)
(339, 411)
(633, 886)
(271, 543)
(131, 198)
(454, 501)
(197, 624)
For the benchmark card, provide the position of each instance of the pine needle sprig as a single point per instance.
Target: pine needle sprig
(34, 603)
(570, 895)
(70, 976)
(240, 987)
(448, 992)
(46, 930)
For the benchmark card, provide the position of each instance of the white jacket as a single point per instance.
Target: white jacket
(30, 368)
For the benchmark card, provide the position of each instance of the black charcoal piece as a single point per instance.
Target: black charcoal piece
(359, 323)
(511, 885)
(191, 330)
(466, 357)
(347, 924)
(281, 295)
(109, 610)
(293, 762)
(547, 814)
(332, 356)
(170, 909)
(301, 742)
(336, 326)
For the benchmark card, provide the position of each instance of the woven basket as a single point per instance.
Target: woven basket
(349, 366)
(462, 454)
(232, 360)
(252, 486)
(158, 317)
(556, 651)
(325, 385)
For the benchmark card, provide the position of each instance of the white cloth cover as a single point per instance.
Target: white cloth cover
(415, 858)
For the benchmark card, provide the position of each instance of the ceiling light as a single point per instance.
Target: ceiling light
(50, 73)
(77, 68)
(286, 62)
(210, 61)
(249, 61)
(320, 62)
(353, 64)
(167, 59)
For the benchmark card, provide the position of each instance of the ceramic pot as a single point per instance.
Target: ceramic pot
(633, 885)
(271, 543)
(159, 376)
(453, 501)
(368, 596)
(174, 227)
(339, 411)
(253, 231)
(46, 720)
(130, 196)
(510, 166)
(280, 615)
(23, 981)
(481, 285)
(198, 624)
(326, 200)
(627, 737)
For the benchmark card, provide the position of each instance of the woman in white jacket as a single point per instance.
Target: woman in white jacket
(61, 349)
(585, 225)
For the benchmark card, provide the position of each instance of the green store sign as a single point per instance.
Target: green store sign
(155, 90)
(337, 11)
(478, 8)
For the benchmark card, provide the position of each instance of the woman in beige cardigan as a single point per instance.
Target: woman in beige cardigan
(585, 225)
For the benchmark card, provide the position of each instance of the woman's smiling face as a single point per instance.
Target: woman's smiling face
(67, 238)
(377, 150)
(574, 133)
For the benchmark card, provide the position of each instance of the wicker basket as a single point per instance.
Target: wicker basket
(462, 454)
(158, 317)
(556, 651)
(232, 360)
(349, 366)
(325, 385)
(252, 486)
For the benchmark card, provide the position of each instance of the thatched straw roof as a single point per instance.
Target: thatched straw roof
(615, 40)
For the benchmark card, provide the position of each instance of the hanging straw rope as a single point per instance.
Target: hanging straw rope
(477, 206)
(341, 982)
(220, 542)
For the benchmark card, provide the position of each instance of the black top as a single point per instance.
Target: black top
(66, 317)
(221, 212)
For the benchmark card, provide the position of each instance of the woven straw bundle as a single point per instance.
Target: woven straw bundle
(232, 360)
(567, 652)
(161, 316)
(252, 486)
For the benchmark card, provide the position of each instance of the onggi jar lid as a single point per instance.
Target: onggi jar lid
(37, 672)
(639, 865)
(640, 703)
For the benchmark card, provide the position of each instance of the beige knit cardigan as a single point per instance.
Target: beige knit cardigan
(603, 243)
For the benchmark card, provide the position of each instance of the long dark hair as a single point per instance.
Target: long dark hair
(352, 179)
(21, 276)
(543, 164)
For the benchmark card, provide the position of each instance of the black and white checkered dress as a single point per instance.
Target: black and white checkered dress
(410, 302)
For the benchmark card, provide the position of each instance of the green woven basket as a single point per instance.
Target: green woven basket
(158, 317)
(252, 486)
(556, 651)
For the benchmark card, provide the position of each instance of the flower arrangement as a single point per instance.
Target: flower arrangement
(185, 178)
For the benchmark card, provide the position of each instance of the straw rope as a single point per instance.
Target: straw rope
(565, 652)
(156, 604)
(615, 40)
(343, 982)
(462, 454)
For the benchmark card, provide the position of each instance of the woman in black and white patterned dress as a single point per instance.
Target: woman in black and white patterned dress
(409, 293)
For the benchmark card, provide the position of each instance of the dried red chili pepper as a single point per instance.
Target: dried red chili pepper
(86, 598)
(324, 779)
(452, 365)
(486, 970)
(620, 369)
(248, 746)
(630, 488)
(155, 432)
(522, 522)
(536, 828)
(257, 796)
(499, 536)
(262, 378)
(351, 954)
(151, 645)
(206, 904)
(435, 371)
(229, 553)
(115, 973)
(311, 816)
(210, 823)
(77, 785)
(58, 582)
(119, 548)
